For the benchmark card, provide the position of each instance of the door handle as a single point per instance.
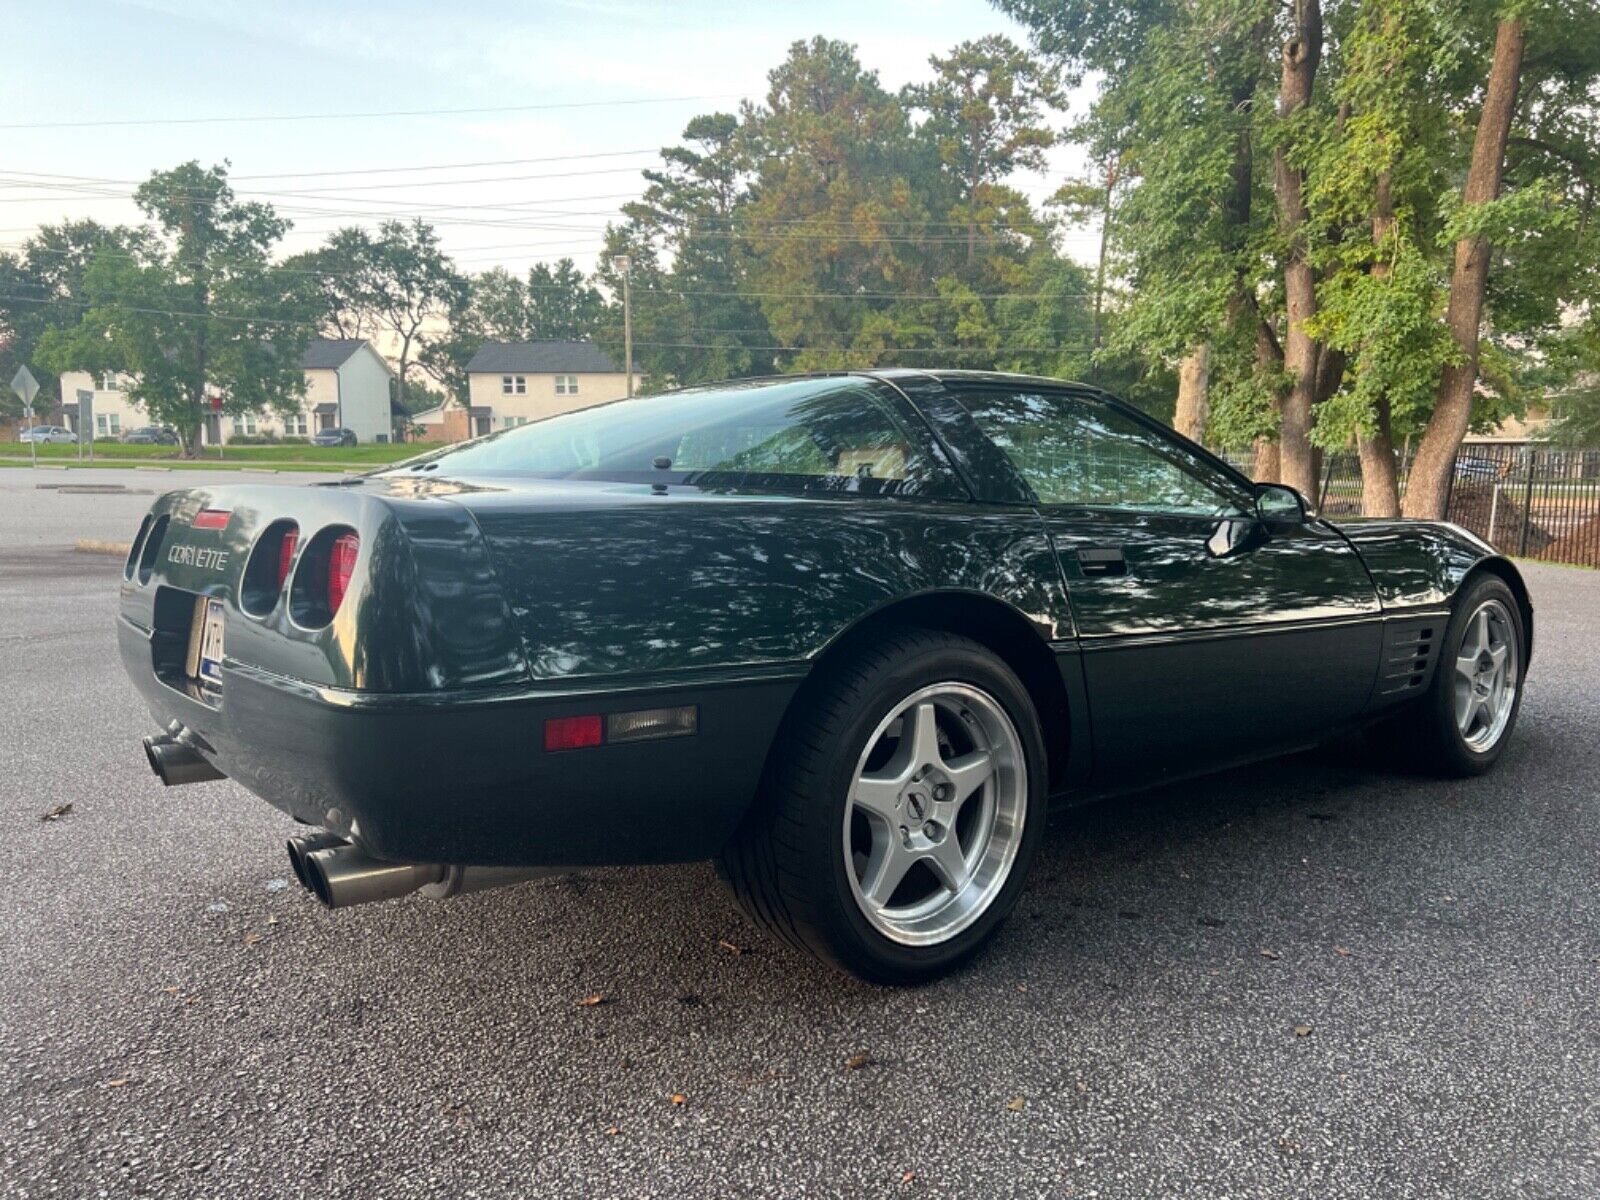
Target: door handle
(1096, 561)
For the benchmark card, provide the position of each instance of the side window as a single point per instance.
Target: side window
(846, 436)
(1075, 451)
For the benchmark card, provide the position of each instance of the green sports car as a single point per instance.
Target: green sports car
(848, 635)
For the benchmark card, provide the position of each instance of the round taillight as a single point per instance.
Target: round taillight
(341, 565)
(286, 545)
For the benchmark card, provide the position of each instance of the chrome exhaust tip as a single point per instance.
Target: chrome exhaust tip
(176, 764)
(299, 847)
(341, 875)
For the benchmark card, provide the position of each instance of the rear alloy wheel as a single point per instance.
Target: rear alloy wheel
(901, 811)
(935, 819)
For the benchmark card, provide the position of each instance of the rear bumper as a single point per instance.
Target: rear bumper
(461, 776)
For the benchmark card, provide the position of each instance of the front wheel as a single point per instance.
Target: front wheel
(1463, 722)
(901, 812)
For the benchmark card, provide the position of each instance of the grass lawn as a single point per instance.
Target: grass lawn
(331, 458)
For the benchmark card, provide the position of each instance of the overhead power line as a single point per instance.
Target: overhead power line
(292, 323)
(361, 116)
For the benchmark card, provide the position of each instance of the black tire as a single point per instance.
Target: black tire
(1425, 735)
(787, 866)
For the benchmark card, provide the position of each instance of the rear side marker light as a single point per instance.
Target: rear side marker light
(341, 565)
(572, 733)
(642, 725)
(211, 518)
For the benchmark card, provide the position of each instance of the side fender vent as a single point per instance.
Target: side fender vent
(1410, 650)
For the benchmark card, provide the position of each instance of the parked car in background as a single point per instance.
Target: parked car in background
(150, 435)
(847, 635)
(48, 435)
(334, 437)
(1477, 470)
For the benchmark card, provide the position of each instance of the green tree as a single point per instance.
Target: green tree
(195, 309)
(41, 288)
(1387, 297)
(986, 117)
(691, 322)
(834, 213)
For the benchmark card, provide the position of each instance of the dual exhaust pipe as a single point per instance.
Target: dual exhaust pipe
(176, 763)
(341, 874)
(334, 869)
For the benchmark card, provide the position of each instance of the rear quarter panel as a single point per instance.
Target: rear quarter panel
(615, 579)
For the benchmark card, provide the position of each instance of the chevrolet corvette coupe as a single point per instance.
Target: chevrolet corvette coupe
(847, 635)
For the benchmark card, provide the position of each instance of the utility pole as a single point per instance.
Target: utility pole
(622, 263)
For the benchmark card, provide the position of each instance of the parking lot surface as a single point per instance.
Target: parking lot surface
(1308, 978)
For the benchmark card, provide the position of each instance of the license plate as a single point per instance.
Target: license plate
(205, 642)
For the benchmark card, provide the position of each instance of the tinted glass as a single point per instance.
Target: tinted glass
(1076, 451)
(827, 434)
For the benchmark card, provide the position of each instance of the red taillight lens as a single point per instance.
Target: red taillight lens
(286, 545)
(341, 565)
(212, 518)
(572, 733)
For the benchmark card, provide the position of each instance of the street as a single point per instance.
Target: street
(1309, 977)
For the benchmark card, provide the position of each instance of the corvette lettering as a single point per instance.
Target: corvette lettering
(194, 556)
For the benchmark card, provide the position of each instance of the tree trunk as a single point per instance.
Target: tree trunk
(1301, 54)
(1428, 489)
(1194, 399)
(1380, 480)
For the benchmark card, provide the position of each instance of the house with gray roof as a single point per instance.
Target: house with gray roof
(512, 383)
(347, 386)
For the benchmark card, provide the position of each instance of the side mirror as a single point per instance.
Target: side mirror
(1277, 504)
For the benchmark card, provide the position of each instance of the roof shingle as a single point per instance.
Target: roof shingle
(543, 358)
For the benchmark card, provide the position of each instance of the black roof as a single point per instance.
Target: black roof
(543, 358)
(329, 354)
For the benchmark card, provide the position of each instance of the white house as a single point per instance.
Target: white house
(347, 385)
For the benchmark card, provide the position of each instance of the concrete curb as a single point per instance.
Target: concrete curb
(95, 546)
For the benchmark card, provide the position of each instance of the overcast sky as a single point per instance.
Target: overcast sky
(172, 61)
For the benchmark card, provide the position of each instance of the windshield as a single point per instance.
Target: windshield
(817, 434)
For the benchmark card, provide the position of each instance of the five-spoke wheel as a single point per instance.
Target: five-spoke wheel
(901, 811)
(1486, 675)
(935, 814)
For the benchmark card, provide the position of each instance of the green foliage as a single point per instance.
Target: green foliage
(41, 288)
(193, 308)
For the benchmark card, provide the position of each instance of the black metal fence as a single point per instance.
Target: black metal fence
(1523, 498)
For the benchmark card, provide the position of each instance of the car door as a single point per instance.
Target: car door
(1206, 635)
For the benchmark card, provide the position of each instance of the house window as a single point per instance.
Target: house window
(245, 424)
(513, 422)
(295, 425)
(116, 423)
(100, 425)
(109, 382)
(566, 385)
(513, 385)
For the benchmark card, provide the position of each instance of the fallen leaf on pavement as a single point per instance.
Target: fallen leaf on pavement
(1270, 954)
(591, 1001)
(1016, 1105)
(115, 1083)
(612, 1131)
(907, 1176)
(1342, 951)
(856, 1061)
(251, 939)
(678, 1098)
(725, 944)
(1302, 1030)
(56, 812)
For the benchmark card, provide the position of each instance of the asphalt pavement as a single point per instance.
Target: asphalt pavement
(1313, 977)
